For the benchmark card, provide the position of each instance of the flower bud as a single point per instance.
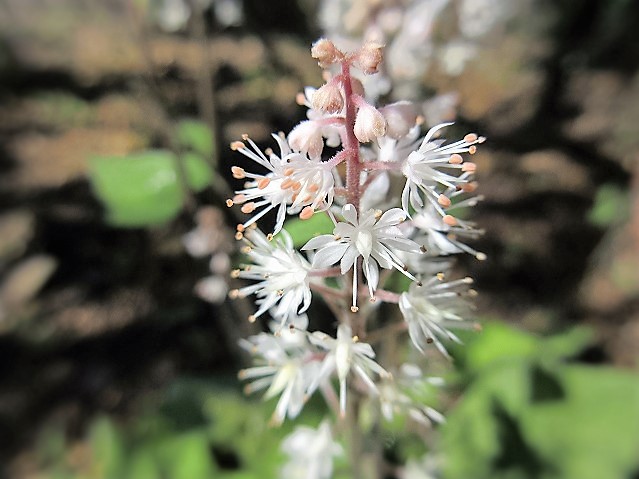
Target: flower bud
(400, 118)
(369, 57)
(306, 137)
(325, 52)
(328, 98)
(369, 123)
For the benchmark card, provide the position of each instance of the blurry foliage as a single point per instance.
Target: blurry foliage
(610, 207)
(200, 431)
(527, 413)
(146, 188)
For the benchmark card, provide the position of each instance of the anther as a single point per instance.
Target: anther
(472, 149)
(470, 138)
(229, 202)
(237, 145)
(444, 200)
(306, 213)
(234, 293)
(429, 340)
(481, 256)
(248, 207)
(238, 173)
(263, 183)
(455, 159)
(449, 220)
(239, 199)
(245, 136)
(423, 249)
(469, 166)
(269, 237)
(440, 276)
(354, 309)
(252, 318)
(235, 273)
(239, 235)
(289, 171)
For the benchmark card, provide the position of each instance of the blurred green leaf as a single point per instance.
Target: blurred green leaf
(196, 136)
(303, 230)
(108, 449)
(611, 206)
(528, 414)
(143, 189)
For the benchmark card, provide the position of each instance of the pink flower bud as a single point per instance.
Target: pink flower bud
(328, 98)
(369, 123)
(306, 137)
(325, 52)
(400, 118)
(369, 57)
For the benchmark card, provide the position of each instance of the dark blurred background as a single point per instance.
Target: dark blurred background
(98, 314)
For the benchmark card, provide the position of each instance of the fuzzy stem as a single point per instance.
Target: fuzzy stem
(353, 166)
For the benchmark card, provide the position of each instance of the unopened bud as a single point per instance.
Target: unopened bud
(369, 123)
(369, 57)
(400, 118)
(325, 52)
(328, 98)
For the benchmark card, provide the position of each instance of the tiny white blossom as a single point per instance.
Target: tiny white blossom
(292, 180)
(434, 307)
(286, 370)
(373, 236)
(281, 275)
(423, 168)
(310, 452)
(442, 238)
(346, 354)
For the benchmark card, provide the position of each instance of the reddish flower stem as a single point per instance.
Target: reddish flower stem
(351, 144)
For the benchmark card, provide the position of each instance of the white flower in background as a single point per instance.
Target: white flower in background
(292, 179)
(287, 372)
(434, 307)
(310, 452)
(374, 236)
(442, 236)
(345, 355)
(423, 168)
(281, 275)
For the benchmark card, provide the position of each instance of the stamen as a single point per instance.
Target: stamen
(455, 159)
(248, 207)
(306, 213)
(263, 183)
(237, 145)
(469, 167)
(449, 220)
(443, 200)
(238, 173)
(470, 138)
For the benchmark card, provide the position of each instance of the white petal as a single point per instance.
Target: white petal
(329, 255)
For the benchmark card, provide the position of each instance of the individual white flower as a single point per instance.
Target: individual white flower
(394, 401)
(286, 370)
(328, 126)
(281, 275)
(346, 354)
(423, 168)
(292, 180)
(374, 236)
(434, 307)
(445, 235)
(310, 452)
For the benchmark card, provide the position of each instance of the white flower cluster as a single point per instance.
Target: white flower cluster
(375, 234)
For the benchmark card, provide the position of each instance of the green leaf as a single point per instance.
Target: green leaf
(610, 206)
(199, 174)
(303, 230)
(143, 189)
(108, 449)
(196, 136)
(187, 456)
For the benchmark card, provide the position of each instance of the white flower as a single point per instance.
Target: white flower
(423, 168)
(310, 453)
(374, 237)
(281, 274)
(442, 236)
(346, 354)
(432, 308)
(287, 371)
(292, 179)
